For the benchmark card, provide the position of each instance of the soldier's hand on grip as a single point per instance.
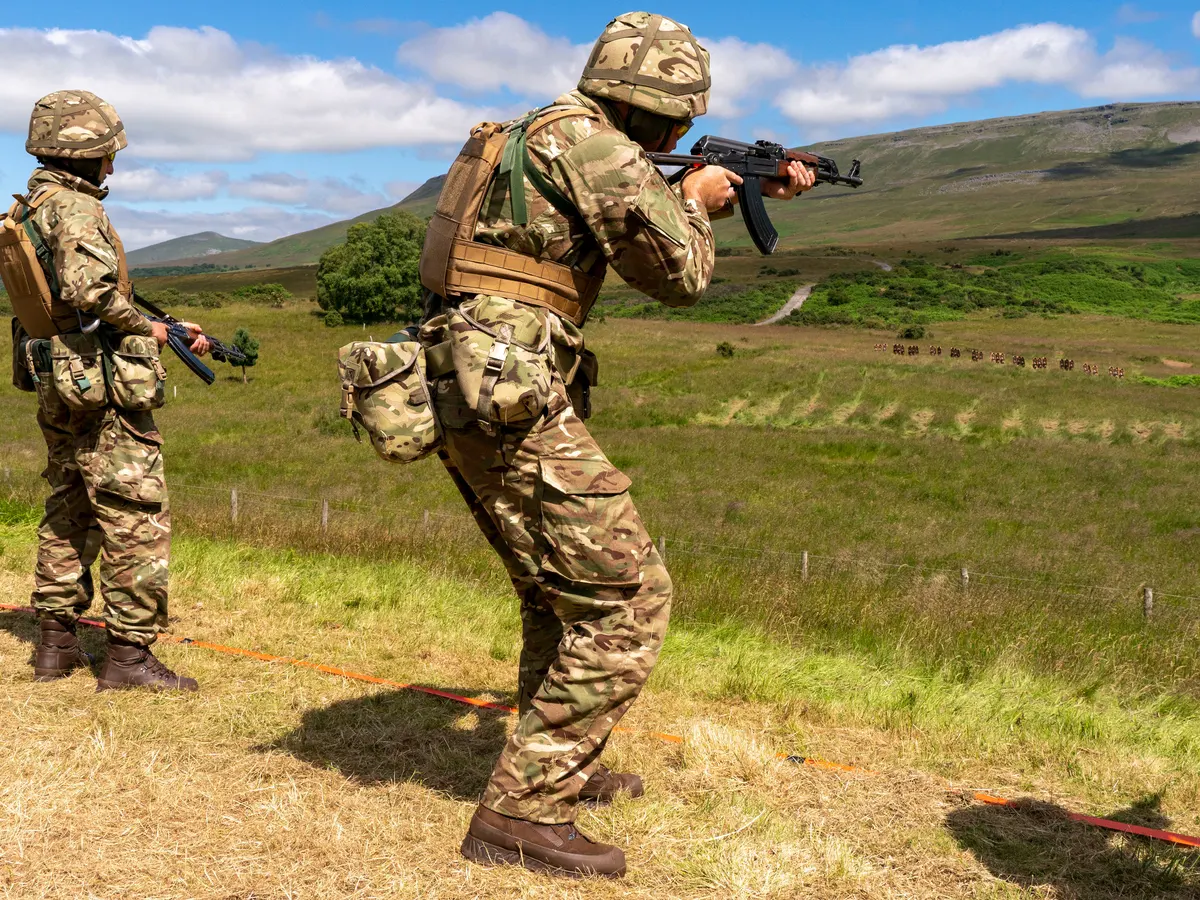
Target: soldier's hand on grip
(710, 186)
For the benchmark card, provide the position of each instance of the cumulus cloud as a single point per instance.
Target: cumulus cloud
(499, 50)
(142, 227)
(200, 94)
(909, 80)
(333, 195)
(151, 184)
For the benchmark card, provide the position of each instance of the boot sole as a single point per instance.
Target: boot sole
(490, 855)
(102, 685)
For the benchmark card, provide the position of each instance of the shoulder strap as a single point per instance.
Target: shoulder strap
(31, 204)
(516, 149)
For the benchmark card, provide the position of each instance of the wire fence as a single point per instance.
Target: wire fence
(807, 563)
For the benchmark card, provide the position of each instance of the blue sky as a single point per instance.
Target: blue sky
(261, 119)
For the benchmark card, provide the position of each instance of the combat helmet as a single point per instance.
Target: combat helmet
(74, 125)
(652, 63)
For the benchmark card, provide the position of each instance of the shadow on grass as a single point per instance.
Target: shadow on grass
(24, 627)
(403, 736)
(1037, 846)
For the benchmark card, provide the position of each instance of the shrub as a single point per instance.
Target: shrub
(913, 333)
(333, 319)
(725, 349)
(373, 276)
(271, 294)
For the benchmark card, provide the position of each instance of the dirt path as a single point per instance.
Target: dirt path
(791, 306)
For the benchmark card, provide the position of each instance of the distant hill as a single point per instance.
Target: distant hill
(306, 247)
(205, 245)
(1127, 170)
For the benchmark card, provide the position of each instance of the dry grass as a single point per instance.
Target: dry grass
(282, 783)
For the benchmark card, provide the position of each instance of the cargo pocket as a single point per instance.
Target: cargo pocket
(78, 371)
(135, 375)
(127, 461)
(590, 524)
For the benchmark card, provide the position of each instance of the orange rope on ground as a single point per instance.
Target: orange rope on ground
(1171, 837)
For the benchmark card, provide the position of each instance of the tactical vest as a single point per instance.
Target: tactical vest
(28, 272)
(453, 263)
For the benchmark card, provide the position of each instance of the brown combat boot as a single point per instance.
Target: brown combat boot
(494, 840)
(604, 785)
(133, 666)
(58, 652)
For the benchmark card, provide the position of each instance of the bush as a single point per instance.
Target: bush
(725, 349)
(333, 319)
(373, 276)
(912, 333)
(271, 294)
(248, 345)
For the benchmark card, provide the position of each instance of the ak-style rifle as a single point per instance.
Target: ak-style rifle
(755, 162)
(180, 341)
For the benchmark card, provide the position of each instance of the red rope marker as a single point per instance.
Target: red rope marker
(1171, 837)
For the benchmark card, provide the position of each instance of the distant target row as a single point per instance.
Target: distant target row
(1039, 362)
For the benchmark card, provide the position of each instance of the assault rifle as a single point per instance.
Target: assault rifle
(180, 341)
(754, 162)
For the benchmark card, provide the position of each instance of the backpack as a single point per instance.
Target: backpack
(24, 264)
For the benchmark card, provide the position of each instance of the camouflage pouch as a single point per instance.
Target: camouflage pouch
(501, 353)
(385, 390)
(77, 370)
(134, 374)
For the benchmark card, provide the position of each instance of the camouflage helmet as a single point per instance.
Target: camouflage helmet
(652, 63)
(74, 125)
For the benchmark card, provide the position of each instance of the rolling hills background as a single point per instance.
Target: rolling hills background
(1123, 170)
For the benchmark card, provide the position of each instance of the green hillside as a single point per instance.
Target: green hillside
(206, 244)
(1125, 170)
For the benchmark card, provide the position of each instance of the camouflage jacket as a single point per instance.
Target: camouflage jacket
(89, 261)
(629, 217)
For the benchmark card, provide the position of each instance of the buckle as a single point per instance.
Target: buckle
(496, 358)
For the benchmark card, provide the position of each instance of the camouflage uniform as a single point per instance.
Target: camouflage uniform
(595, 596)
(105, 468)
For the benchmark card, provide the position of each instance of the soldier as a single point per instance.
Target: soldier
(104, 465)
(594, 593)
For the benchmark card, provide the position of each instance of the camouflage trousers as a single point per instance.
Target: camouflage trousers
(108, 500)
(594, 593)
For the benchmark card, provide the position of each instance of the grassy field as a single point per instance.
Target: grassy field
(892, 472)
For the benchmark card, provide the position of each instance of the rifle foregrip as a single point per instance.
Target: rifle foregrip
(754, 212)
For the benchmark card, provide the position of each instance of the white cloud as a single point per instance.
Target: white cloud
(332, 195)
(1196, 24)
(499, 50)
(199, 94)
(909, 80)
(743, 74)
(153, 184)
(141, 228)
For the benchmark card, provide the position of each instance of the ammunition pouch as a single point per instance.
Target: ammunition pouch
(134, 374)
(385, 390)
(501, 353)
(77, 370)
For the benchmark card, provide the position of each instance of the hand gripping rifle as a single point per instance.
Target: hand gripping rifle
(754, 162)
(180, 342)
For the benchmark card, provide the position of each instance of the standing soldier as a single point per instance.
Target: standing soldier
(104, 463)
(514, 260)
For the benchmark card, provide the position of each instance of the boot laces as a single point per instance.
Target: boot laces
(155, 666)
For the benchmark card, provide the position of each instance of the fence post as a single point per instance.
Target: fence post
(662, 548)
(804, 565)
(324, 515)
(233, 510)
(966, 578)
(1147, 601)
(425, 519)
(175, 391)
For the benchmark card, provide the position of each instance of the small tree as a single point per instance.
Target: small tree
(249, 346)
(374, 275)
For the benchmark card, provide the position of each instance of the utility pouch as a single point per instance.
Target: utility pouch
(385, 390)
(501, 352)
(135, 376)
(77, 368)
(22, 374)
